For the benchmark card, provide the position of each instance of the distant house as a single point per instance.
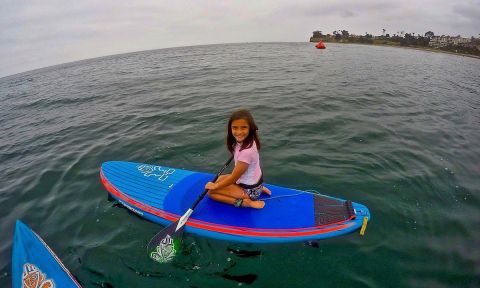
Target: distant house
(442, 41)
(459, 40)
(438, 41)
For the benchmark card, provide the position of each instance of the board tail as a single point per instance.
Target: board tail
(330, 211)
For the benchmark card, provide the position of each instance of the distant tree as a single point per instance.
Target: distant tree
(345, 34)
(317, 34)
(387, 35)
(408, 39)
(422, 41)
(383, 34)
(429, 34)
(368, 38)
(337, 35)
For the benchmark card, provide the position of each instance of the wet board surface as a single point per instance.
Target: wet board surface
(163, 194)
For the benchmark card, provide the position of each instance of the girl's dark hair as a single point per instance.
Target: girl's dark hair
(252, 132)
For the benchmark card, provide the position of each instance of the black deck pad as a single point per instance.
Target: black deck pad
(329, 211)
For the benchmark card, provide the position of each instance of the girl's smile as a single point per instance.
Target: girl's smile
(240, 129)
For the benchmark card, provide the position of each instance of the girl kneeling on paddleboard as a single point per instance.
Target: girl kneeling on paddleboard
(244, 185)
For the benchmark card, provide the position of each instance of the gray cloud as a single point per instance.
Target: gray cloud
(347, 8)
(35, 34)
(348, 14)
(469, 11)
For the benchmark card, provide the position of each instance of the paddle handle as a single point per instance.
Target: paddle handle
(214, 179)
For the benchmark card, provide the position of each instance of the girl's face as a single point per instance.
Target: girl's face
(240, 129)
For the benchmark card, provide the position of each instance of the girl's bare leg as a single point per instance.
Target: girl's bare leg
(231, 193)
(230, 200)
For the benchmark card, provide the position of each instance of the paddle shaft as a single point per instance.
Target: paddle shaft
(214, 179)
(184, 218)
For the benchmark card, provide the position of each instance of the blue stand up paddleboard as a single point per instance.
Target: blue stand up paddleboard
(162, 194)
(34, 264)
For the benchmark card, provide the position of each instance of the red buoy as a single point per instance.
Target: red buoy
(320, 45)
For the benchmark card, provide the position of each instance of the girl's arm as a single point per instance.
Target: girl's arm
(240, 168)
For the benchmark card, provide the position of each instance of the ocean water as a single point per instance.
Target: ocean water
(394, 129)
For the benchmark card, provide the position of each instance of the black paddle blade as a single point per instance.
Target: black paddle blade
(166, 244)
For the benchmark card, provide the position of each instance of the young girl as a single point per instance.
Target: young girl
(243, 186)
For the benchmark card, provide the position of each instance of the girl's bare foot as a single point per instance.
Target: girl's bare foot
(266, 191)
(253, 204)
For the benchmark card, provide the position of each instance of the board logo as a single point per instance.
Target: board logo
(131, 208)
(155, 171)
(165, 250)
(33, 277)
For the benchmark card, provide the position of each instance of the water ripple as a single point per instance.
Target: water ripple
(395, 129)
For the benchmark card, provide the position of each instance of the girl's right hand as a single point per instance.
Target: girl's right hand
(210, 186)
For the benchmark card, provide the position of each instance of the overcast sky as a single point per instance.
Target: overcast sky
(35, 34)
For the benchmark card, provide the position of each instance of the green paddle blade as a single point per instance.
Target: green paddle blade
(166, 244)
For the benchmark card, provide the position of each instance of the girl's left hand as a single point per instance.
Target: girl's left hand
(210, 186)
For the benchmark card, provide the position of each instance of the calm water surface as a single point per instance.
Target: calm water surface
(394, 129)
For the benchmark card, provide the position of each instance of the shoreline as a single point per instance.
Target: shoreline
(409, 47)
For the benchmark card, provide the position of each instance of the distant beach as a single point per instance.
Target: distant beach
(455, 45)
(408, 47)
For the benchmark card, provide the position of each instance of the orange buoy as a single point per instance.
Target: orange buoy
(320, 45)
